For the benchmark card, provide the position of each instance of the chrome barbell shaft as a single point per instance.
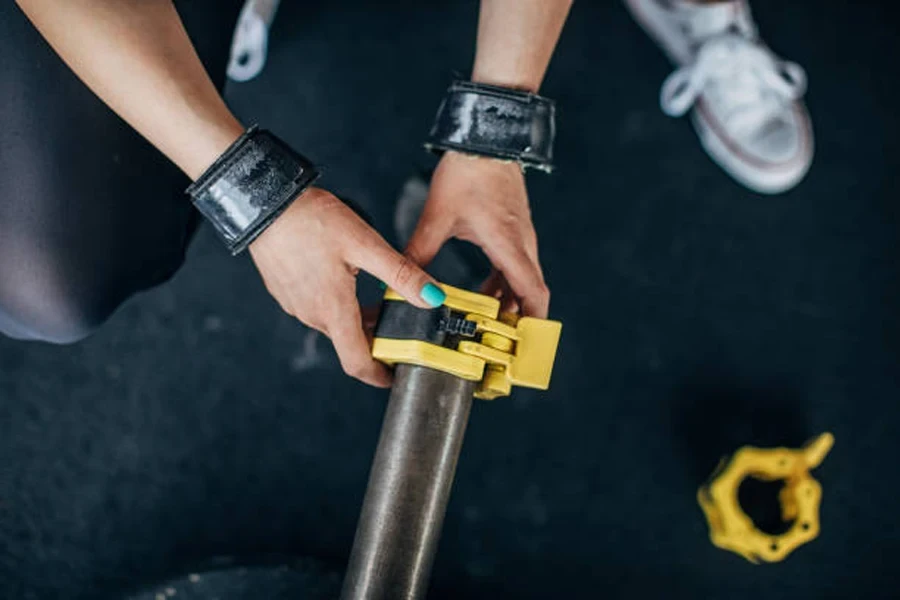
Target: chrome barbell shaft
(409, 485)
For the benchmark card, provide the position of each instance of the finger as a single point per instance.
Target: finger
(352, 347)
(497, 287)
(428, 238)
(370, 321)
(509, 304)
(370, 316)
(523, 273)
(403, 274)
(492, 286)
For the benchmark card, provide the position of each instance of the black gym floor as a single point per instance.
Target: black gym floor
(201, 422)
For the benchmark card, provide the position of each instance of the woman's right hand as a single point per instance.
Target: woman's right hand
(309, 258)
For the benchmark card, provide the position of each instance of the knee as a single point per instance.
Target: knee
(58, 321)
(42, 310)
(67, 322)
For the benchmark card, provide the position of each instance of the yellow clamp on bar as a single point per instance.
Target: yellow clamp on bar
(729, 526)
(507, 350)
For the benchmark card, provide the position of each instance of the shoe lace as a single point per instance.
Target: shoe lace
(744, 81)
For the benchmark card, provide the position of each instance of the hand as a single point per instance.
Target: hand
(309, 258)
(484, 201)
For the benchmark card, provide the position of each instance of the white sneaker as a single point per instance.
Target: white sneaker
(746, 101)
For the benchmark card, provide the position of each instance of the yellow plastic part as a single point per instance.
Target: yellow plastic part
(535, 350)
(485, 324)
(729, 526)
(512, 351)
(423, 354)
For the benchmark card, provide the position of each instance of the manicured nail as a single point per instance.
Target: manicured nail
(432, 295)
(382, 284)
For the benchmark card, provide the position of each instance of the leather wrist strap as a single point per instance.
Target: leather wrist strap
(488, 120)
(250, 185)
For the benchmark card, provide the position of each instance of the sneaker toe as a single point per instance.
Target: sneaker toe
(771, 159)
(777, 141)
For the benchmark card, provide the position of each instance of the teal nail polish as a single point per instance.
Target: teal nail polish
(382, 285)
(432, 295)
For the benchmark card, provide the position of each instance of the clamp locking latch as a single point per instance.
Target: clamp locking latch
(469, 338)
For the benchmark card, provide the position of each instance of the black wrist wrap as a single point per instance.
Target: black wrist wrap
(250, 185)
(487, 120)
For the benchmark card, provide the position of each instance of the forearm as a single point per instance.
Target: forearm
(137, 57)
(516, 39)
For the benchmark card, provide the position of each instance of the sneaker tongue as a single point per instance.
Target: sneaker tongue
(710, 19)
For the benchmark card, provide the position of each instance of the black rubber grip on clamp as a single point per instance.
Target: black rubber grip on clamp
(402, 321)
(498, 122)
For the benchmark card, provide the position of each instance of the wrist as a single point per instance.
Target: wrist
(465, 159)
(208, 145)
(495, 121)
(503, 76)
(249, 185)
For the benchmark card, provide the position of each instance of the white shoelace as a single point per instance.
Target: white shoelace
(743, 80)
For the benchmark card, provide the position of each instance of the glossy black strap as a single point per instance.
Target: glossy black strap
(250, 185)
(504, 123)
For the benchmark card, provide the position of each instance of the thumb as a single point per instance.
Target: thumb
(399, 272)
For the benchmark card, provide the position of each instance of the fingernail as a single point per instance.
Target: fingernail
(432, 295)
(382, 285)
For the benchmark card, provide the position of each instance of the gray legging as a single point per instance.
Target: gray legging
(90, 213)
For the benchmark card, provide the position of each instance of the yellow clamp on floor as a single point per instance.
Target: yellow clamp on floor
(506, 350)
(729, 526)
